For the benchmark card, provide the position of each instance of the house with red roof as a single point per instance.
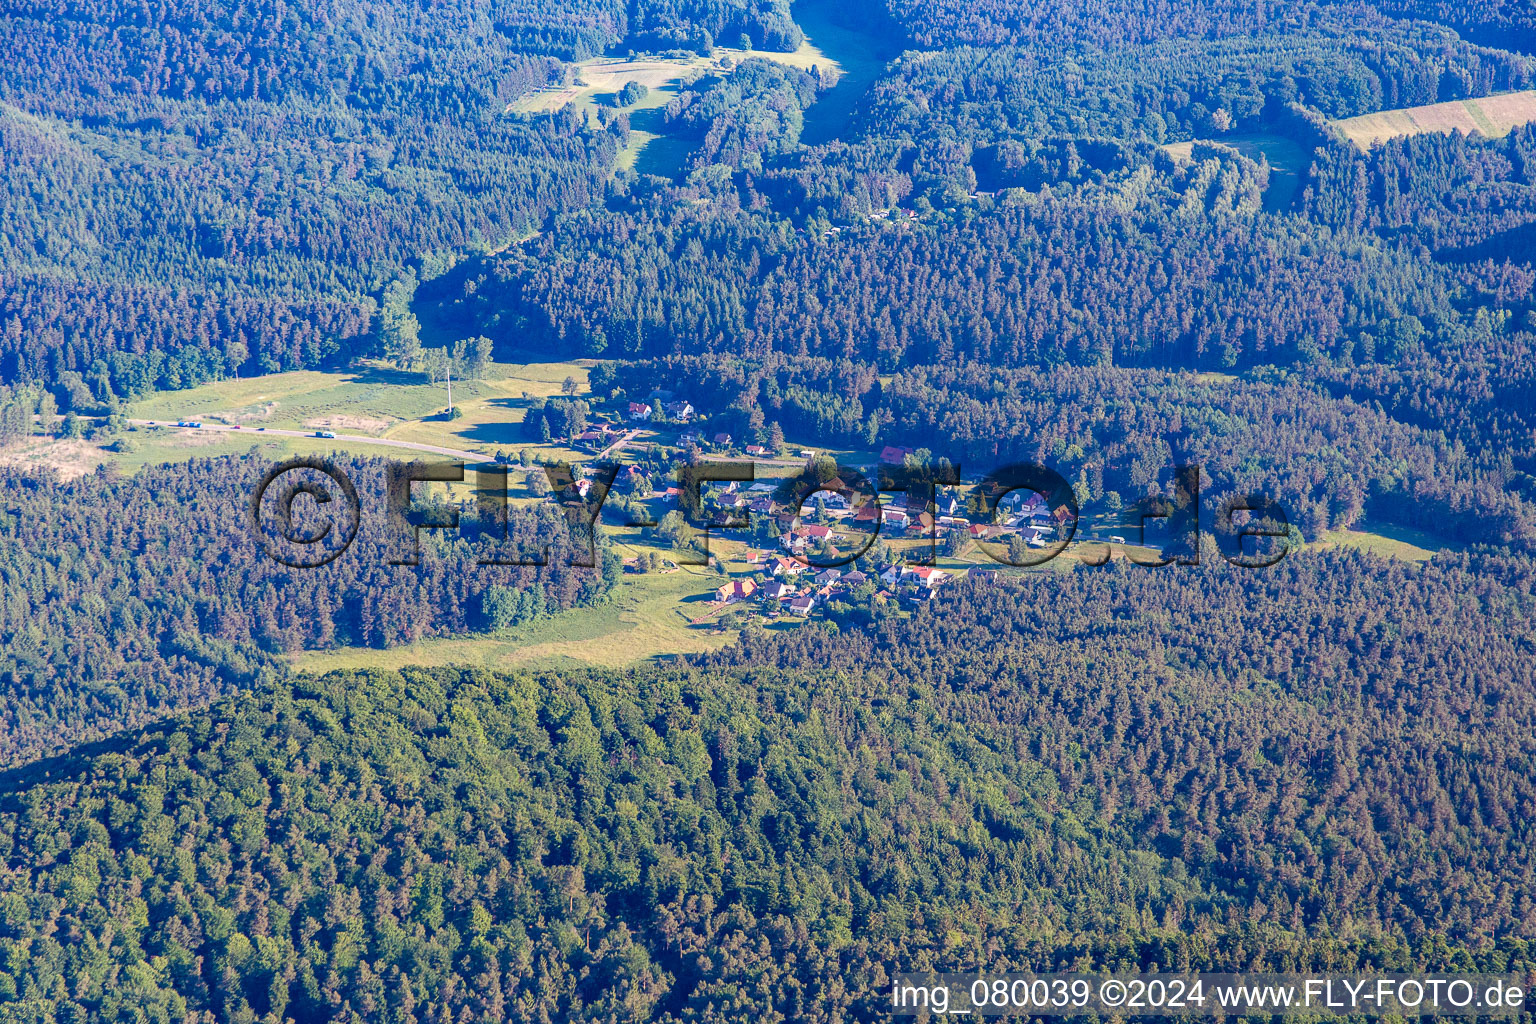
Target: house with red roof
(736, 590)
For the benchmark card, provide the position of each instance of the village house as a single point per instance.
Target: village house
(1035, 536)
(828, 577)
(786, 567)
(776, 590)
(757, 451)
(680, 412)
(640, 412)
(926, 575)
(736, 590)
(802, 605)
(892, 455)
(722, 440)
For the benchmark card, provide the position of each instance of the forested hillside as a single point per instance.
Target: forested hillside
(1007, 261)
(1113, 236)
(1328, 764)
(129, 598)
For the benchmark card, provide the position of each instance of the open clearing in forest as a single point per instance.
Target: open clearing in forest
(651, 150)
(648, 618)
(374, 399)
(1389, 541)
(69, 458)
(1286, 157)
(1492, 116)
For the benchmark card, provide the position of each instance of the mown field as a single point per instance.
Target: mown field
(1492, 116)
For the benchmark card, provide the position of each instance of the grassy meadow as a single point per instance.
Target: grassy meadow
(650, 617)
(1492, 116)
(1399, 542)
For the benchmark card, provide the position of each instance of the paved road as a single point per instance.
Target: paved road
(455, 453)
(618, 445)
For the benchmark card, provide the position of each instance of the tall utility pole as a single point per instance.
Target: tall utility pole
(449, 376)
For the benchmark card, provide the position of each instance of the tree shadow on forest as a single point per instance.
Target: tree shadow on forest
(80, 758)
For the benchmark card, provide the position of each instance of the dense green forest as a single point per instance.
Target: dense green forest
(1113, 236)
(1098, 769)
(124, 599)
(198, 193)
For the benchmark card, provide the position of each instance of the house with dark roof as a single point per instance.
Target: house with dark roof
(776, 590)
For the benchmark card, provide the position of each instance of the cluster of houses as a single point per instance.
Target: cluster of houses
(678, 410)
(797, 589)
(719, 441)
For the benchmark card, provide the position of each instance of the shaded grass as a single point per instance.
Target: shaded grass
(1399, 542)
(647, 619)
